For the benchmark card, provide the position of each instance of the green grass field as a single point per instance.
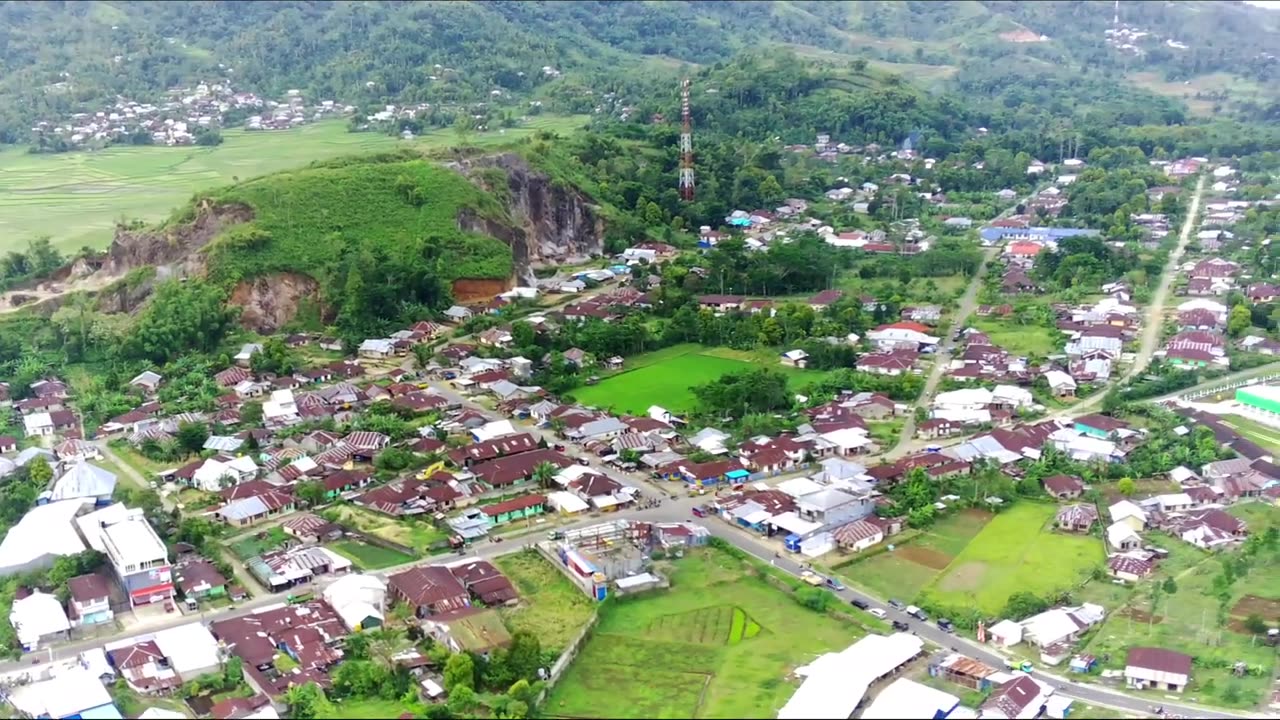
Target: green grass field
(371, 708)
(369, 557)
(911, 566)
(1016, 551)
(259, 542)
(550, 606)
(1034, 340)
(76, 198)
(720, 643)
(666, 377)
(1266, 436)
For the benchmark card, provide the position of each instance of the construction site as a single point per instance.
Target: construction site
(593, 557)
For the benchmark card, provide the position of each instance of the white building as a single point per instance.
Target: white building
(216, 474)
(44, 534)
(905, 698)
(84, 481)
(138, 556)
(835, 683)
(360, 600)
(280, 409)
(191, 649)
(36, 617)
(38, 424)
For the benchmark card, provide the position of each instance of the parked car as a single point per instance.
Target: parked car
(917, 613)
(945, 625)
(834, 584)
(896, 604)
(811, 577)
(860, 604)
(699, 512)
(877, 612)
(900, 626)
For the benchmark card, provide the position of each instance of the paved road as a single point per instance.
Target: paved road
(679, 510)
(942, 358)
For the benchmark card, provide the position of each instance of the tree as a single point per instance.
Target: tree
(544, 474)
(39, 472)
(1239, 320)
(524, 655)
(275, 357)
(306, 702)
(813, 598)
(1255, 624)
(356, 647)
(1126, 487)
(459, 672)
(462, 700)
(251, 414)
(181, 317)
(233, 672)
(192, 436)
(312, 492)
(1170, 586)
(1024, 604)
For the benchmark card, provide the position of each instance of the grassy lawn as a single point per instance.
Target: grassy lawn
(720, 643)
(258, 543)
(193, 499)
(1016, 551)
(372, 709)
(550, 606)
(1259, 515)
(1188, 622)
(369, 557)
(1265, 435)
(423, 537)
(667, 377)
(146, 467)
(906, 570)
(76, 198)
(1020, 339)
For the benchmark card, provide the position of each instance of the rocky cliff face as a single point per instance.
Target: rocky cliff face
(552, 224)
(269, 302)
(174, 247)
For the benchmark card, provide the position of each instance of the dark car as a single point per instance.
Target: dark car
(945, 625)
(896, 604)
(900, 626)
(860, 604)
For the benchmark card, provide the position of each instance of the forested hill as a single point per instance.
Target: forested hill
(61, 57)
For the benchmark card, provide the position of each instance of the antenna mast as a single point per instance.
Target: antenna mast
(686, 144)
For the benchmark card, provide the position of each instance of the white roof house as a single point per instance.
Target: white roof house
(1058, 624)
(280, 408)
(1006, 633)
(247, 351)
(377, 346)
(1126, 509)
(1212, 306)
(45, 533)
(37, 424)
(906, 698)
(491, 430)
(798, 487)
(191, 649)
(835, 683)
(209, 476)
(710, 440)
(1122, 537)
(84, 480)
(38, 615)
(148, 379)
(1012, 395)
(356, 598)
(1059, 381)
(155, 713)
(69, 693)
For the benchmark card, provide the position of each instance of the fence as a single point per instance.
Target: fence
(562, 663)
(1197, 394)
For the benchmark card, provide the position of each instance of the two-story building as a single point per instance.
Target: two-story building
(136, 553)
(90, 600)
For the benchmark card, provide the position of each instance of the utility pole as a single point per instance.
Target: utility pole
(686, 183)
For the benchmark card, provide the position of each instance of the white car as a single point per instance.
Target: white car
(878, 613)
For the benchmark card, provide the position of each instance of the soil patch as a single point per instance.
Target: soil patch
(965, 577)
(927, 557)
(1254, 605)
(1141, 616)
(977, 514)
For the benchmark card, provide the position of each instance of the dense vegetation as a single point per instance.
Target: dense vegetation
(380, 235)
(57, 58)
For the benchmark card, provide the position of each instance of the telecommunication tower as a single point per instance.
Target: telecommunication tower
(686, 144)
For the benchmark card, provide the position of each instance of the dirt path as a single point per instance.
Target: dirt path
(42, 293)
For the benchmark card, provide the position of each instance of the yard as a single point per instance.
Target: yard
(423, 537)
(1029, 340)
(1188, 620)
(907, 569)
(371, 708)
(1015, 552)
(666, 377)
(77, 198)
(720, 643)
(257, 543)
(369, 557)
(550, 606)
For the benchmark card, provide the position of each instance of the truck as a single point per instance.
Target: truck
(917, 613)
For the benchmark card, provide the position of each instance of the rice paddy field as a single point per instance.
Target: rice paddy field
(667, 377)
(907, 569)
(77, 198)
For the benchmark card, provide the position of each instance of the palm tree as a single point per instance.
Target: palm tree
(544, 474)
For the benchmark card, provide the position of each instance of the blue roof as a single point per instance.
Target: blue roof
(102, 712)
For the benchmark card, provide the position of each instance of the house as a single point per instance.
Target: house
(795, 358)
(515, 509)
(148, 381)
(256, 508)
(1076, 518)
(825, 299)
(1122, 537)
(1099, 426)
(1157, 669)
(360, 600)
(1064, 487)
(36, 617)
(199, 578)
(457, 313)
(247, 351)
(84, 481)
(902, 336)
(44, 534)
(1061, 384)
(1060, 625)
(376, 348)
(721, 302)
(89, 600)
(1127, 567)
(1020, 698)
(1129, 514)
(429, 590)
(38, 424)
(136, 553)
(893, 362)
(858, 535)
